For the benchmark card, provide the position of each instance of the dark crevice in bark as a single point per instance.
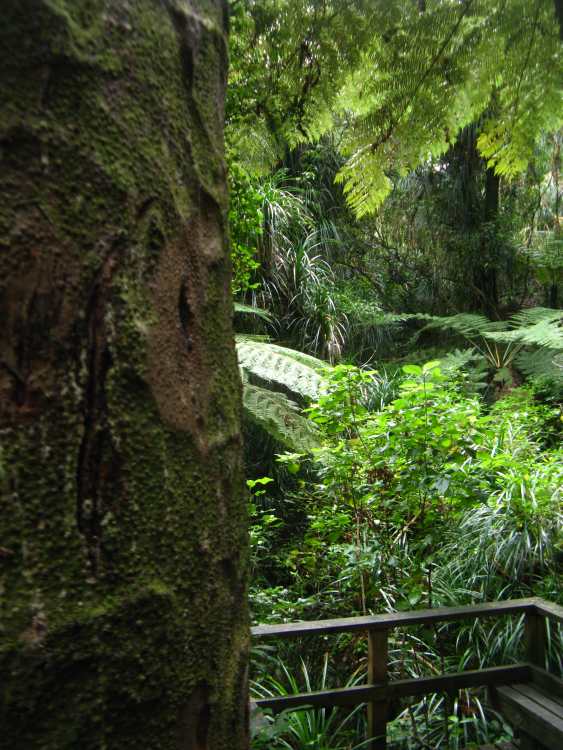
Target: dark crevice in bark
(195, 720)
(186, 315)
(188, 34)
(96, 438)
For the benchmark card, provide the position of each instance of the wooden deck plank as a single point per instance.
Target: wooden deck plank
(528, 716)
(549, 683)
(541, 698)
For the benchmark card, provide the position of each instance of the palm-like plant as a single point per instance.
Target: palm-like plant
(531, 339)
(297, 280)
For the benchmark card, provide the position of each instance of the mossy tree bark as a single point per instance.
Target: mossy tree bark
(122, 526)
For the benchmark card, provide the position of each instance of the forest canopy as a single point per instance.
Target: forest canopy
(399, 79)
(396, 242)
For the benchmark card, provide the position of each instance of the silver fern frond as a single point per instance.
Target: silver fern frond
(279, 416)
(293, 370)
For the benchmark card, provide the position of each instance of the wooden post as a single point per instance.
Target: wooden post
(377, 673)
(535, 633)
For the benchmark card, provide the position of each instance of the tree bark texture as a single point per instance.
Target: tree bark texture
(122, 523)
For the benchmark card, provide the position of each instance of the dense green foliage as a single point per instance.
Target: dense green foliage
(405, 77)
(396, 212)
(433, 500)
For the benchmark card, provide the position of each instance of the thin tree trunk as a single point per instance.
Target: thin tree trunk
(486, 271)
(558, 7)
(492, 201)
(122, 518)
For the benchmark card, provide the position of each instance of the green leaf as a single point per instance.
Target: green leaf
(250, 483)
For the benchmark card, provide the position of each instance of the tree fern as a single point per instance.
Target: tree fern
(540, 332)
(279, 416)
(295, 371)
(271, 410)
(541, 364)
(532, 338)
(433, 73)
(538, 326)
(465, 324)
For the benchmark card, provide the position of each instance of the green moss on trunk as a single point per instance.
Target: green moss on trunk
(122, 525)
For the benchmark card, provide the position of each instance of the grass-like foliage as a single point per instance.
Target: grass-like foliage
(322, 729)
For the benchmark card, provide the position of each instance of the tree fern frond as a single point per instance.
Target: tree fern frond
(544, 334)
(318, 365)
(293, 370)
(251, 310)
(250, 337)
(466, 324)
(536, 327)
(279, 417)
(542, 363)
(533, 315)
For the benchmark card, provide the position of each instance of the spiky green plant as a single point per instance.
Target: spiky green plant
(319, 729)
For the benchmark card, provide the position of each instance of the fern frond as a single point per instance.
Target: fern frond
(544, 334)
(279, 416)
(251, 310)
(535, 327)
(318, 365)
(542, 363)
(460, 359)
(466, 324)
(533, 315)
(291, 369)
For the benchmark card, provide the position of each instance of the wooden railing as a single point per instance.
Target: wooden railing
(379, 691)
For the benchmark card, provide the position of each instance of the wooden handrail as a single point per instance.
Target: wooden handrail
(378, 692)
(549, 609)
(400, 619)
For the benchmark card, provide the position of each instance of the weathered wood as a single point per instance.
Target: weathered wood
(352, 696)
(395, 619)
(549, 609)
(535, 635)
(525, 742)
(377, 673)
(378, 693)
(550, 703)
(530, 716)
(547, 682)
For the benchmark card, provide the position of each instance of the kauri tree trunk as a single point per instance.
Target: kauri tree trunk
(122, 523)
